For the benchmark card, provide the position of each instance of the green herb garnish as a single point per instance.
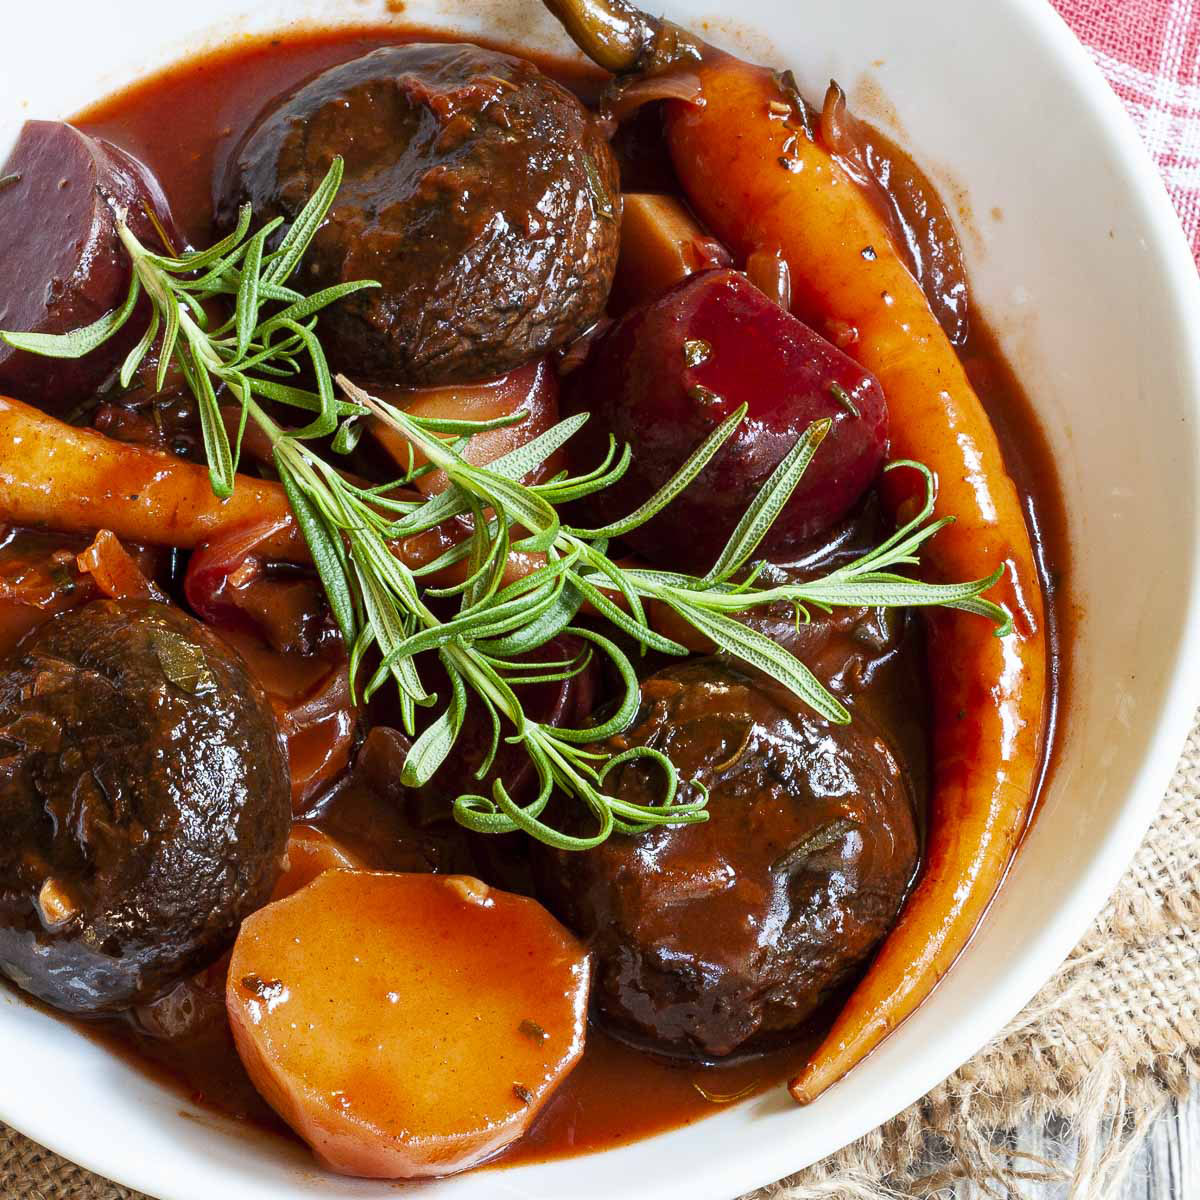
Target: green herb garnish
(381, 604)
(251, 352)
(183, 662)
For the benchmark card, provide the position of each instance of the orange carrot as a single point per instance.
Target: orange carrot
(72, 480)
(77, 481)
(761, 183)
(406, 1026)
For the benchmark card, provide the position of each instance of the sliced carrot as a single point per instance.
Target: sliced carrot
(759, 180)
(406, 1025)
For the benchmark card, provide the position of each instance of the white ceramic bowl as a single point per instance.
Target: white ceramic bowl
(1091, 286)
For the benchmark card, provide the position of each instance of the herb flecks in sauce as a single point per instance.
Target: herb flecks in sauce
(840, 394)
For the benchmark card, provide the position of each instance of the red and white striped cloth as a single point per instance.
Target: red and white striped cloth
(1149, 51)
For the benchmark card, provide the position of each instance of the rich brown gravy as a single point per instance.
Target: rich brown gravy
(183, 124)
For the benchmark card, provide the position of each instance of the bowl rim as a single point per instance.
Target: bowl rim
(1049, 945)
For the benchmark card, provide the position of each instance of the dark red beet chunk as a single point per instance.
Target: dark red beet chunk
(62, 265)
(668, 373)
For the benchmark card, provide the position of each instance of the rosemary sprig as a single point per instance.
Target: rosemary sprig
(495, 622)
(382, 605)
(250, 352)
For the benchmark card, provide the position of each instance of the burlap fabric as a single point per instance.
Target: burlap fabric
(1099, 1052)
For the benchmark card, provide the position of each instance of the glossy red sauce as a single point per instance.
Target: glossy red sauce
(617, 1094)
(214, 99)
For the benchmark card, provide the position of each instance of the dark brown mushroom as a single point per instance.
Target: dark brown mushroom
(716, 938)
(480, 194)
(145, 800)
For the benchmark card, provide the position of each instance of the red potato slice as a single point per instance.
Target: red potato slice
(407, 1025)
(663, 377)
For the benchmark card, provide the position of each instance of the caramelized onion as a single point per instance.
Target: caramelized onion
(918, 222)
(769, 272)
(319, 729)
(531, 390)
(625, 97)
(576, 353)
(833, 122)
(115, 571)
(327, 699)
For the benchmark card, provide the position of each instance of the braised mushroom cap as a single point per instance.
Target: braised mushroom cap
(145, 800)
(726, 936)
(480, 194)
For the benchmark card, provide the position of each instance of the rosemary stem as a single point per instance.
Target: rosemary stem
(275, 435)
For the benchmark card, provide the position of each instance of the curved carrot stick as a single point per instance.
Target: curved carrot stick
(77, 481)
(760, 182)
(72, 480)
